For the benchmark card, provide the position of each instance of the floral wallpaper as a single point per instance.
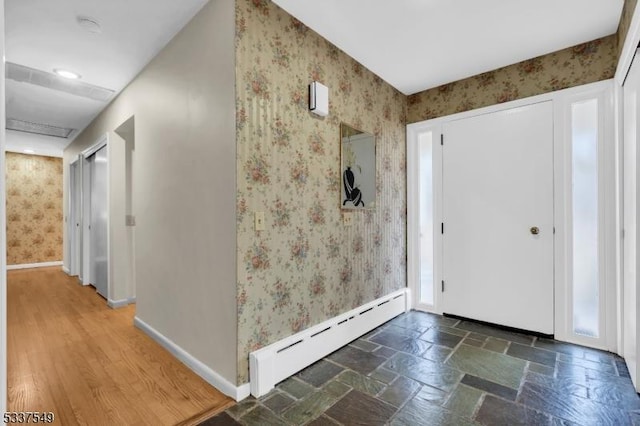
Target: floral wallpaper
(581, 64)
(625, 22)
(34, 209)
(307, 266)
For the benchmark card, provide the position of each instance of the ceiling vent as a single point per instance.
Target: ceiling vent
(38, 128)
(52, 81)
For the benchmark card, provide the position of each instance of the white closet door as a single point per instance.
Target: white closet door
(99, 222)
(631, 92)
(498, 218)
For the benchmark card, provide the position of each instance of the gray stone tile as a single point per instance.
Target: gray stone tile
(437, 353)
(364, 345)
(421, 412)
(495, 411)
(383, 375)
(495, 332)
(399, 391)
(539, 356)
(361, 383)
(242, 407)
(357, 408)
(261, 416)
(623, 371)
(401, 343)
(441, 338)
(498, 368)
(295, 387)
(491, 387)
(323, 421)
(428, 372)
(541, 369)
(496, 345)
(607, 368)
(222, 419)
(310, 407)
(336, 388)
(385, 352)
(433, 395)
(564, 385)
(473, 342)
(617, 392)
(463, 400)
(321, 372)
(278, 402)
(570, 407)
(357, 359)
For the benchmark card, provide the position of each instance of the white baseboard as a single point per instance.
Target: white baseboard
(33, 265)
(115, 304)
(195, 365)
(274, 363)
(66, 270)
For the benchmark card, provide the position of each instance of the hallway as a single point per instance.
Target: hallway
(68, 353)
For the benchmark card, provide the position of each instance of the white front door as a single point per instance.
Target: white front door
(498, 218)
(630, 183)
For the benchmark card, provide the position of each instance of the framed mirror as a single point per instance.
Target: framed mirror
(358, 168)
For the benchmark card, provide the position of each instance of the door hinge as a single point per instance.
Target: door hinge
(442, 228)
(441, 139)
(443, 286)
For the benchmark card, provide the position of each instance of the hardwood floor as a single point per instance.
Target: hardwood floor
(70, 354)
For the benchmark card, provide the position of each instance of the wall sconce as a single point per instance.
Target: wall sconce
(319, 99)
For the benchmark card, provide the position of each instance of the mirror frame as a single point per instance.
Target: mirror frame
(353, 200)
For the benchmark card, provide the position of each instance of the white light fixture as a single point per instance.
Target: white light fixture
(29, 151)
(319, 99)
(67, 74)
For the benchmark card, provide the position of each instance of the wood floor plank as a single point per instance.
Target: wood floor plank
(70, 354)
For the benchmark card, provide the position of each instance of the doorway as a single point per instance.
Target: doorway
(498, 218)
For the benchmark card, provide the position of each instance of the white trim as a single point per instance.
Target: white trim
(629, 48)
(3, 228)
(65, 270)
(277, 361)
(560, 99)
(102, 141)
(33, 265)
(195, 365)
(115, 304)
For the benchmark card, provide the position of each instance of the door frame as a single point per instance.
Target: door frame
(74, 218)
(562, 191)
(87, 278)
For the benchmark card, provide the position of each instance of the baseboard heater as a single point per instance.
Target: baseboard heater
(274, 363)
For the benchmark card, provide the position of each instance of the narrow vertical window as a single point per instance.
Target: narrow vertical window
(586, 285)
(425, 142)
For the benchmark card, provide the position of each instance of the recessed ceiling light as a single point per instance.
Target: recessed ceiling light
(89, 24)
(67, 74)
(29, 151)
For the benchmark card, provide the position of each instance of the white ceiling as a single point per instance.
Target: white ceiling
(45, 34)
(412, 44)
(419, 44)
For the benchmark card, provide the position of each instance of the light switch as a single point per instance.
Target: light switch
(259, 218)
(347, 219)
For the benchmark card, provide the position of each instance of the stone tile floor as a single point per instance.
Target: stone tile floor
(424, 369)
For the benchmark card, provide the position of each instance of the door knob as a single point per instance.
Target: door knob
(534, 230)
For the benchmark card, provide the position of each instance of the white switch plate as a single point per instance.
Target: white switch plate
(347, 219)
(259, 218)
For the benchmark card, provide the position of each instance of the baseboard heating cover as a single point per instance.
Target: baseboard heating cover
(274, 363)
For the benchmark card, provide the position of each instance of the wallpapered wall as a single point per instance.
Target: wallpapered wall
(581, 64)
(625, 22)
(307, 266)
(34, 209)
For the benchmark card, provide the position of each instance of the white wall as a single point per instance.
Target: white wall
(184, 190)
(42, 145)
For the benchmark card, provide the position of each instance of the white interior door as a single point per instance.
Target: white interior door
(498, 218)
(630, 183)
(99, 222)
